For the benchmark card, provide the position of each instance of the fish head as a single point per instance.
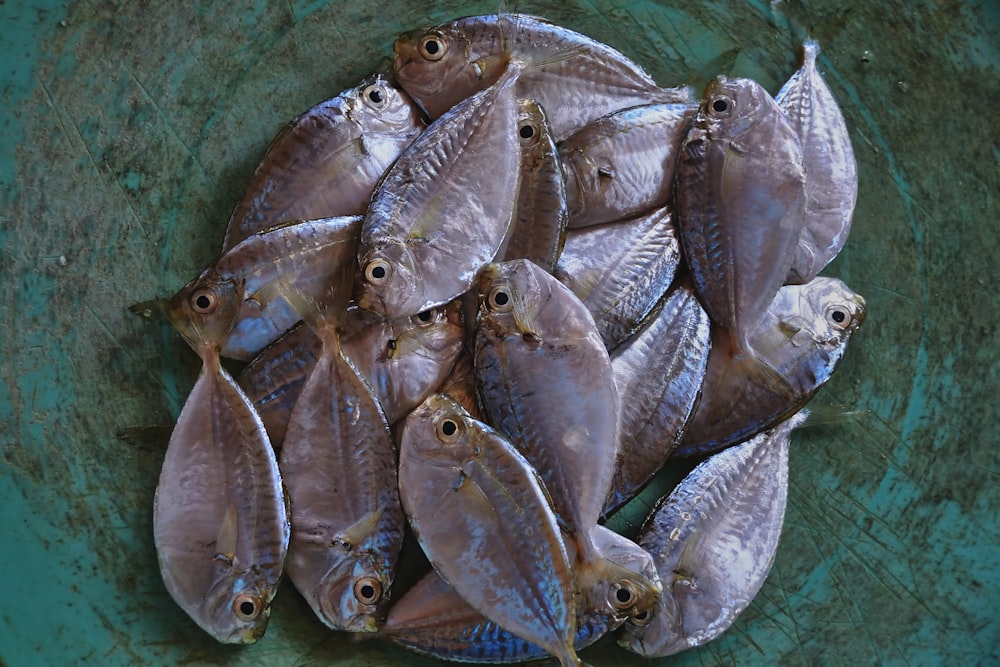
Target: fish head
(389, 284)
(531, 126)
(204, 310)
(731, 105)
(354, 594)
(829, 309)
(237, 608)
(511, 297)
(658, 631)
(441, 66)
(433, 333)
(439, 432)
(378, 106)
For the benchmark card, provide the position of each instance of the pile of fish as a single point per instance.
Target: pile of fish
(487, 306)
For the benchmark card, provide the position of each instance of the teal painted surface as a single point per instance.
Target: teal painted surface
(128, 132)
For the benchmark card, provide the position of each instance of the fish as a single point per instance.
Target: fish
(433, 619)
(326, 162)
(621, 270)
(659, 374)
(539, 228)
(831, 171)
(444, 209)
(575, 79)
(339, 464)
(713, 540)
(307, 253)
(740, 195)
(622, 164)
(544, 379)
(482, 517)
(220, 522)
(799, 342)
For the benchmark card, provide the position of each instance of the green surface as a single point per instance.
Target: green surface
(128, 131)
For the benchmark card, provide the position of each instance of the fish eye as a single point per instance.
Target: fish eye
(424, 317)
(499, 299)
(367, 590)
(432, 47)
(838, 317)
(642, 619)
(377, 271)
(448, 430)
(721, 106)
(375, 96)
(204, 302)
(623, 595)
(527, 131)
(247, 607)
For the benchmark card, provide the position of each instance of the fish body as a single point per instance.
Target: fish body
(830, 168)
(713, 540)
(539, 228)
(444, 209)
(307, 255)
(327, 161)
(740, 202)
(622, 165)
(799, 342)
(574, 78)
(483, 518)
(621, 270)
(658, 373)
(220, 523)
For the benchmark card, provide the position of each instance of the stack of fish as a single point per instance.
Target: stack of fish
(489, 306)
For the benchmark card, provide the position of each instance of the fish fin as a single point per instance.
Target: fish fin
(225, 541)
(509, 24)
(823, 414)
(357, 532)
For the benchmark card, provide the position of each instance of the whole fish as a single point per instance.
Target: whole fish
(830, 168)
(326, 162)
(220, 523)
(444, 209)
(714, 540)
(433, 619)
(658, 373)
(799, 343)
(403, 361)
(307, 254)
(339, 465)
(622, 165)
(544, 379)
(574, 78)
(483, 518)
(621, 270)
(539, 228)
(740, 203)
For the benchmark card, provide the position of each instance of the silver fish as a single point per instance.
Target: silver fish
(622, 165)
(327, 161)
(830, 168)
(714, 540)
(799, 342)
(220, 523)
(740, 203)
(483, 518)
(621, 270)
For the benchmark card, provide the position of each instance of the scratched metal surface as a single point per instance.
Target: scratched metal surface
(128, 131)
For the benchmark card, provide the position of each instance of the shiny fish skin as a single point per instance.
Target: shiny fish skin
(622, 164)
(220, 523)
(338, 460)
(539, 228)
(740, 198)
(574, 78)
(658, 373)
(482, 517)
(444, 209)
(799, 343)
(327, 161)
(620, 270)
(544, 379)
(714, 540)
(830, 168)
(432, 619)
(308, 254)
